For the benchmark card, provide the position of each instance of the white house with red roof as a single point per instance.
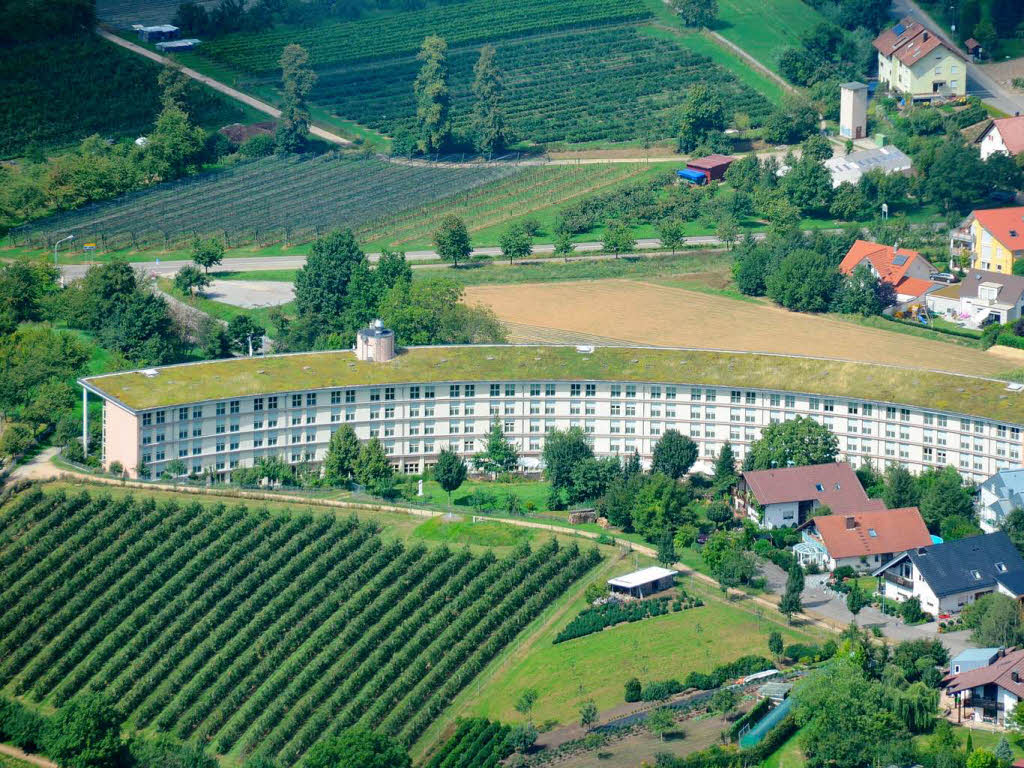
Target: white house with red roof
(785, 497)
(1003, 135)
(918, 63)
(861, 540)
(907, 271)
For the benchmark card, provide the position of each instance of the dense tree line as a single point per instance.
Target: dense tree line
(337, 293)
(946, 501)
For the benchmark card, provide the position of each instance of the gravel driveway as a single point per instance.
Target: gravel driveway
(250, 294)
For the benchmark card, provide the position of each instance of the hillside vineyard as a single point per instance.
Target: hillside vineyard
(249, 630)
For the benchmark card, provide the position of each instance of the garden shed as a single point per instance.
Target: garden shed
(644, 582)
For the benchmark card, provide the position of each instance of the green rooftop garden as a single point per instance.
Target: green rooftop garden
(284, 373)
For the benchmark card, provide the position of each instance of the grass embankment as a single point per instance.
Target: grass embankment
(221, 310)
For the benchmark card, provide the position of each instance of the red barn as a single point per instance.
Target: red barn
(713, 166)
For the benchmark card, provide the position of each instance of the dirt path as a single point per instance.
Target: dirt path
(42, 762)
(667, 315)
(227, 90)
(752, 61)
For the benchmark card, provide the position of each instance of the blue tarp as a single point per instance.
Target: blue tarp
(754, 735)
(695, 176)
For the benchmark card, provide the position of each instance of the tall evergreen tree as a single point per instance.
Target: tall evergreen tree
(488, 118)
(499, 455)
(725, 467)
(297, 79)
(791, 602)
(433, 98)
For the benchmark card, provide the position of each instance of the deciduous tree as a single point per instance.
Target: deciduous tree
(450, 471)
(618, 239)
(342, 455)
(563, 451)
(189, 279)
(85, 733)
(670, 232)
(797, 442)
(499, 455)
(674, 454)
(372, 468)
(451, 239)
(515, 243)
(696, 13)
(357, 748)
(208, 252)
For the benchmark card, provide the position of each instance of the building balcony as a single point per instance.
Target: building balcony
(898, 580)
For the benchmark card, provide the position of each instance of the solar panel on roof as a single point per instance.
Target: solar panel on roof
(899, 29)
(899, 261)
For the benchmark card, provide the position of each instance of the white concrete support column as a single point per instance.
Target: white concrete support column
(85, 421)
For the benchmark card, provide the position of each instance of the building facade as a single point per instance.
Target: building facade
(996, 238)
(415, 419)
(914, 61)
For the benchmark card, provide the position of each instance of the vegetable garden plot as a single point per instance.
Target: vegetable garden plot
(384, 36)
(607, 84)
(252, 631)
(287, 194)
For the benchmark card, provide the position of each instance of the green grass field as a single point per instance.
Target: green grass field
(597, 666)
(788, 755)
(533, 492)
(763, 28)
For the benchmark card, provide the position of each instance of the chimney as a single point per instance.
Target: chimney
(1015, 676)
(851, 522)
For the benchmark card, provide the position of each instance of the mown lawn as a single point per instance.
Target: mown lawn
(533, 492)
(788, 755)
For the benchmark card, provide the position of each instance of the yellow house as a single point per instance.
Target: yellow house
(916, 62)
(997, 238)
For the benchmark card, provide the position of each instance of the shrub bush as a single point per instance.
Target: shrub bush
(745, 665)
(21, 726)
(633, 690)
(660, 689)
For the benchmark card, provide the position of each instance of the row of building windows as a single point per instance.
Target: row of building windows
(576, 407)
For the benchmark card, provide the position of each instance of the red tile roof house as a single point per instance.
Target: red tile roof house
(905, 270)
(1003, 135)
(988, 694)
(783, 498)
(861, 540)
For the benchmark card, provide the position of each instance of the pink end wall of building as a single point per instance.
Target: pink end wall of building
(122, 437)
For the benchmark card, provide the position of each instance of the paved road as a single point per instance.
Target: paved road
(979, 83)
(262, 106)
(258, 263)
(821, 601)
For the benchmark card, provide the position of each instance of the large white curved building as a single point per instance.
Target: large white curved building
(219, 415)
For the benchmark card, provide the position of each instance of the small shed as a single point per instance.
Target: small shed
(973, 46)
(157, 33)
(644, 582)
(713, 166)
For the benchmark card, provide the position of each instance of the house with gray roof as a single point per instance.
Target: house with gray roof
(973, 658)
(1000, 495)
(851, 167)
(946, 577)
(980, 296)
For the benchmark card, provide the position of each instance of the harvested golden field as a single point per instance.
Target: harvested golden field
(639, 312)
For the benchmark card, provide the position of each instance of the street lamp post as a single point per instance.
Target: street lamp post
(63, 240)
